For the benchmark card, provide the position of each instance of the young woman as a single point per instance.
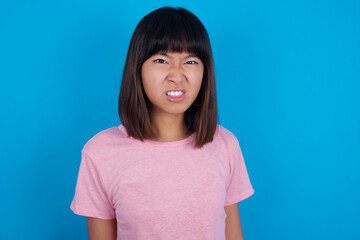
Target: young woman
(169, 171)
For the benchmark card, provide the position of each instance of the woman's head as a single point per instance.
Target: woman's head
(168, 30)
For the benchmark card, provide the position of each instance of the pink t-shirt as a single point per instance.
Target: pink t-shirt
(161, 190)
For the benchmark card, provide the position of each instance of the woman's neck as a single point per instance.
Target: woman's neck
(169, 127)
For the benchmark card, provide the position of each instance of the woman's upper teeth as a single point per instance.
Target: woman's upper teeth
(175, 93)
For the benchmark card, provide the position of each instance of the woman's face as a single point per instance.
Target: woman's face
(172, 81)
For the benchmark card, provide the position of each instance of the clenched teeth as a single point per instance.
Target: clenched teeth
(175, 93)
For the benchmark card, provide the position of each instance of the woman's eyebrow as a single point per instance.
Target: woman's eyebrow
(190, 56)
(163, 54)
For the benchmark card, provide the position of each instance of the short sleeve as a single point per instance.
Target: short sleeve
(90, 197)
(239, 186)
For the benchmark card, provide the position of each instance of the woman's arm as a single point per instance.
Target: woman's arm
(233, 229)
(100, 229)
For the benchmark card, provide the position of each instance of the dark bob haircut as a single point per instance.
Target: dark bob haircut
(168, 29)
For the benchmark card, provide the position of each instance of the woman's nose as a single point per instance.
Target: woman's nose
(176, 74)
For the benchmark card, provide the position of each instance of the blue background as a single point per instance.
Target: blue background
(288, 87)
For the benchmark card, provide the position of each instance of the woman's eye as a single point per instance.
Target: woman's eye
(159, 60)
(191, 62)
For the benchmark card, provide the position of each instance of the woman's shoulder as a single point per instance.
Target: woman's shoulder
(225, 137)
(104, 140)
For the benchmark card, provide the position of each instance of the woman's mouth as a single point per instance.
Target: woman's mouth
(175, 95)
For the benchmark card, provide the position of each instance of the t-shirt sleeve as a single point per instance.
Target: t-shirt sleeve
(91, 198)
(239, 186)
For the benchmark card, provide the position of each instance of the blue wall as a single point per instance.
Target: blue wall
(288, 77)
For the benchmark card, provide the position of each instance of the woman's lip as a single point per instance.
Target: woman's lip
(175, 98)
(175, 90)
